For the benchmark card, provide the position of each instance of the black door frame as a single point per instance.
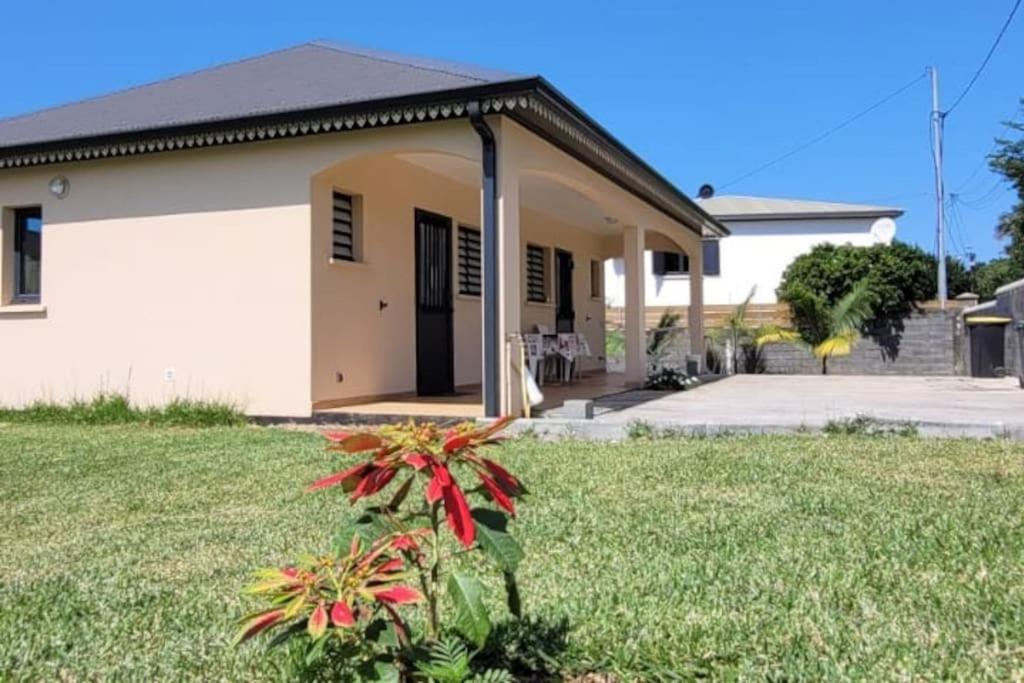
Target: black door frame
(559, 289)
(446, 380)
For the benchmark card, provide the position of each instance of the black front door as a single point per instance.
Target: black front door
(988, 348)
(435, 347)
(565, 315)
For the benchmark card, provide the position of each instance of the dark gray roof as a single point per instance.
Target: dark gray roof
(309, 76)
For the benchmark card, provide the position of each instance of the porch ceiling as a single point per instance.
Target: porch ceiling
(539, 194)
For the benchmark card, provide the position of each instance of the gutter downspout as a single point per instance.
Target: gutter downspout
(492, 343)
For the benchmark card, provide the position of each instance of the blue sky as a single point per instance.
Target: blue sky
(704, 91)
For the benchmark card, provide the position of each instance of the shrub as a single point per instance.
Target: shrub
(111, 409)
(898, 276)
(347, 604)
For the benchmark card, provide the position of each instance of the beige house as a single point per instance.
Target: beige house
(319, 227)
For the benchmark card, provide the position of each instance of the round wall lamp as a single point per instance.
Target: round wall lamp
(60, 187)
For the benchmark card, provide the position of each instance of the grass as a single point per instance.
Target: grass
(793, 557)
(112, 409)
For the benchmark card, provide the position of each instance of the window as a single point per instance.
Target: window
(672, 263)
(536, 274)
(712, 263)
(469, 261)
(344, 228)
(28, 238)
(596, 278)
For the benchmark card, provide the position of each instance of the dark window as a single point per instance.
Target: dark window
(536, 274)
(712, 259)
(469, 261)
(28, 253)
(344, 247)
(672, 263)
(596, 273)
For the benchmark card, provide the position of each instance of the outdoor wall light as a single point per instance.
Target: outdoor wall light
(60, 187)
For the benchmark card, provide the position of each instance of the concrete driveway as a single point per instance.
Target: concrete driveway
(939, 405)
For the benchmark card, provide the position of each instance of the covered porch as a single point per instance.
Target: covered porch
(461, 245)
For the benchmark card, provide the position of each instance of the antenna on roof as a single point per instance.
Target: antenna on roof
(706, 191)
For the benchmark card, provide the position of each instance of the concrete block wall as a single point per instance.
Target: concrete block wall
(927, 346)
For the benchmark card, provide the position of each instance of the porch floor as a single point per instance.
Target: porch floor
(469, 402)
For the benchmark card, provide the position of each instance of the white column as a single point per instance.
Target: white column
(509, 277)
(695, 314)
(636, 338)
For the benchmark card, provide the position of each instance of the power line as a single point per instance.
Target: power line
(984, 62)
(826, 134)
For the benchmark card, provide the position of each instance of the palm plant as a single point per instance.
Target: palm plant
(659, 343)
(827, 331)
(735, 330)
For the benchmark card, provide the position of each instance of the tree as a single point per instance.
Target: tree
(897, 276)
(827, 331)
(1008, 161)
(989, 276)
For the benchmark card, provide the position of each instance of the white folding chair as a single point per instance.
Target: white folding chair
(568, 349)
(535, 355)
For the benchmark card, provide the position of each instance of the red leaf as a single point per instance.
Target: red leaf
(442, 478)
(346, 478)
(341, 615)
(361, 442)
(493, 428)
(457, 442)
(337, 436)
(418, 460)
(317, 622)
(408, 541)
(398, 595)
(506, 481)
(391, 565)
(497, 494)
(457, 512)
(260, 623)
(372, 483)
(290, 572)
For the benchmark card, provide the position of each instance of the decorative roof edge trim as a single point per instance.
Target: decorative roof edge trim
(532, 102)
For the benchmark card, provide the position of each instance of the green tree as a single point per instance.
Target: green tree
(897, 276)
(1008, 161)
(989, 276)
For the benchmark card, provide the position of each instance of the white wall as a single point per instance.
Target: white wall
(756, 253)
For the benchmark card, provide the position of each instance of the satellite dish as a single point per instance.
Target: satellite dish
(706, 191)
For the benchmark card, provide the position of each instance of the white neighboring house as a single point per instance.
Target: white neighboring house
(766, 235)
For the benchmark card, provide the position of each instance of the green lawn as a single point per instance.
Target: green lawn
(124, 549)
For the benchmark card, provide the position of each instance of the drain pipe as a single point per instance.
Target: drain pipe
(492, 343)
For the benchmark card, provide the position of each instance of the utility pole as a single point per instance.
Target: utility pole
(940, 189)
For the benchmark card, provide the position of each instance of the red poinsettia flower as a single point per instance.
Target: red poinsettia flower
(333, 591)
(427, 449)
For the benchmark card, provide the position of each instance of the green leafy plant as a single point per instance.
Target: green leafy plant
(661, 338)
(826, 331)
(394, 556)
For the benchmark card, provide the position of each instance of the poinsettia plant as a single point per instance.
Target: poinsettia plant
(421, 482)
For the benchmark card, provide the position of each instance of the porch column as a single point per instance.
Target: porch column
(636, 337)
(695, 314)
(509, 278)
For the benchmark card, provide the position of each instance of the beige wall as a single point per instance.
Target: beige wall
(191, 263)
(207, 273)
